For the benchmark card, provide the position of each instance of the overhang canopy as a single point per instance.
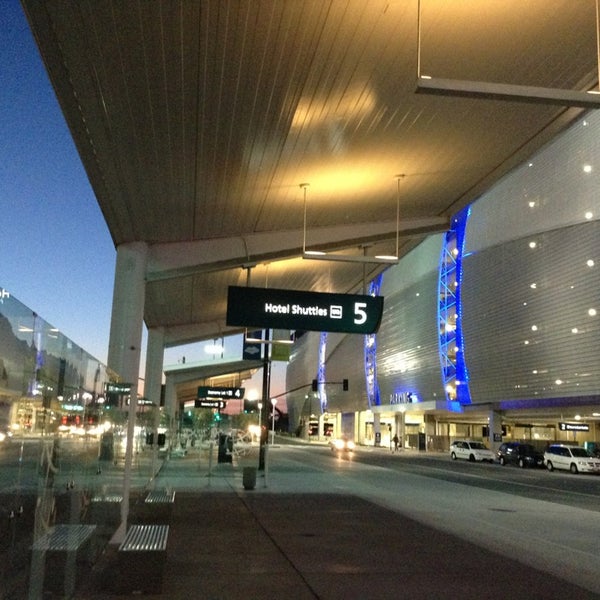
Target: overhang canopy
(197, 121)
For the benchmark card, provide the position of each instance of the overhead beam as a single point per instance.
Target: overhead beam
(181, 259)
(502, 91)
(190, 333)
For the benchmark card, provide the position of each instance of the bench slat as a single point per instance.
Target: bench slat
(64, 538)
(145, 538)
(156, 497)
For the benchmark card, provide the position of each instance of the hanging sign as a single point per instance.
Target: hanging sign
(306, 311)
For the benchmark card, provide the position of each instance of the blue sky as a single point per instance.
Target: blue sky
(57, 256)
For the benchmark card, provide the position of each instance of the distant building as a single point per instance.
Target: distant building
(45, 378)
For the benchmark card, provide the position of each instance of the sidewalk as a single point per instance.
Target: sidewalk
(226, 543)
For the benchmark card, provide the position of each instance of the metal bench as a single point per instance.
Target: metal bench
(60, 556)
(142, 557)
(160, 497)
(156, 508)
(105, 512)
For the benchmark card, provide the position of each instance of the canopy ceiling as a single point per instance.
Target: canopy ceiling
(197, 121)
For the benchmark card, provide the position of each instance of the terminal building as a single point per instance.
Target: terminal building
(442, 157)
(490, 330)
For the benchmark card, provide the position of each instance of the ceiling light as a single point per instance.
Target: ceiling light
(500, 91)
(356, 258)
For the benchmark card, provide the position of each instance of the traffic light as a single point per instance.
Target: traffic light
(249, 406)
(315, 385)
(345, 385)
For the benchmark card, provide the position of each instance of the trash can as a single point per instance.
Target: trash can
(225, 448)
(107, 446)
(249, 478)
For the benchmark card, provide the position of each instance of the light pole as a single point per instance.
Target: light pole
(273, 402)
(259, 420)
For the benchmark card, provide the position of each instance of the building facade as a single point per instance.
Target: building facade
(490, 331)
(46, 380)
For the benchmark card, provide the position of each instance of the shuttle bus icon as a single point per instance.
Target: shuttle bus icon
(335, 311)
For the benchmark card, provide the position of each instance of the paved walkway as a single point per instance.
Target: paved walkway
(226, 543)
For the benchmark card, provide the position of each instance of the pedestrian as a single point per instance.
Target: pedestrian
(396, 441)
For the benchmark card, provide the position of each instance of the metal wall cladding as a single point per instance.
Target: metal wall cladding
(345, 360)
(530, 307)
(529, 321)
(408, 344)
(408, 340)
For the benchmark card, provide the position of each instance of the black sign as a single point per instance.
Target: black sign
(573, 427)
(220, 392)
(308, 311)
(118, 388)
(210, 404)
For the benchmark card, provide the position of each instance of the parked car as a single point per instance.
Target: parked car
(571, 458)
(471, 450)
(342, 444)
(524, 455)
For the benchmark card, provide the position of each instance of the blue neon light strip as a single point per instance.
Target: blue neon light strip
(455, 375)
(371, 383)
(321, 372)
(462, 372)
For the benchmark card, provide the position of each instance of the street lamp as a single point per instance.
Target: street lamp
(273, 402)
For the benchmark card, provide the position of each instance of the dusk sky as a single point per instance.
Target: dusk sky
(57, 254)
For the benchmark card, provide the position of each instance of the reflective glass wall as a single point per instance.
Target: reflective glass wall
(63, 435)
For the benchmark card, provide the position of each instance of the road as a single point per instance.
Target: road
(550, 521)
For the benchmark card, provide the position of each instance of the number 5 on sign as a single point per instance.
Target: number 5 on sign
(360, 314)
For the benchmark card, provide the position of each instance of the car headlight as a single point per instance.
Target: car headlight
(350, 445)
(339, 444)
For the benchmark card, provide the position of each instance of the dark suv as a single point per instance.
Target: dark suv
(524, 455)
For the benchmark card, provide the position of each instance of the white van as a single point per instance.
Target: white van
(570, 458)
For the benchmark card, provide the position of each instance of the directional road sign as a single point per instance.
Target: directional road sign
(220, 404)
(235, 393)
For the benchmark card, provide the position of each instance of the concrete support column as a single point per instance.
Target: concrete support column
(377, 428)
(321, 426)
(495, 429)
(124, 348)
(171, 408)
(399, 423)
(430, 432)
(152, 384)
(154, 364)
(128, 311)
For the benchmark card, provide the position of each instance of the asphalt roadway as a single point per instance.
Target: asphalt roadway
(283, 539)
